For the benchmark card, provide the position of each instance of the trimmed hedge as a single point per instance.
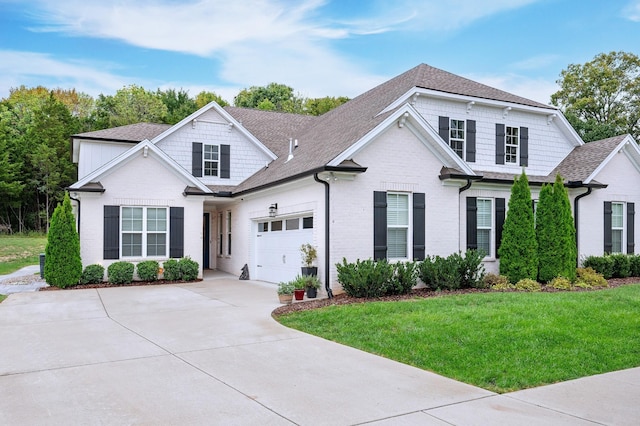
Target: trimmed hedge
(184, 269)
(453, 272)
(92, 274)
(120, 272)
(148, 270)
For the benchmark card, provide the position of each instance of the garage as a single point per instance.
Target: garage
(277, 246)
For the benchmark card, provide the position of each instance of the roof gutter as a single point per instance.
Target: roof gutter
(327, 235)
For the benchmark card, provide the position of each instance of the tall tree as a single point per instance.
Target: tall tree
(63, 265)
(130, 105)
(555, 233)
(203, 98)
(178, 103)
(602, 96)
(519, 249)
(274, 96)
(318, 106)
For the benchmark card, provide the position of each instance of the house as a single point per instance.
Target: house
(420, 165)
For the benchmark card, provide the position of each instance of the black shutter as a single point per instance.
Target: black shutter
(524, 146)
(471, 141)
(472, 223)
(196, 159)
(111, 234)
(608, 244)
(500, 215)
(631, 246)
(379, 225)
(419, 230)
(443, 128)
(176, 237)
(500, 143)
(225, 161)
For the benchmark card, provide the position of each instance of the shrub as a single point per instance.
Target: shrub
(405, 277)
(63, 265)
(519, 248)
(621, 265)
(299, 282)
(312, 281)
(171, 270)
(490, 280)
(560, 283)
(471, 268)
(188, 269)
(453, 272)
(92, 274)
(600, 264)
(365, 278)
(120, 272)
(590, 278)
(634, 261)
(148, 270)
(427, 272)
(581, 284)
(527, 284)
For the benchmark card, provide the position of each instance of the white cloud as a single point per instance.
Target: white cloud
(632, 11)
(535, 62)
(536, 89)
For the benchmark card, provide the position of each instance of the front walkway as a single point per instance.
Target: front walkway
(210, 353)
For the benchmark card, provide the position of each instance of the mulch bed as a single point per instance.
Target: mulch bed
(108, 285)
(419, 293)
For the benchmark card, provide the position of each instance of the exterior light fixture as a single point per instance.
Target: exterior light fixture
(273, 210)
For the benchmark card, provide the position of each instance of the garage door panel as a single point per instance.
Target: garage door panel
(278, 254)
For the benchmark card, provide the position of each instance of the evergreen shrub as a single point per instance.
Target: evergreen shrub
(148, 270)
(171, 270)
(634, 262)
(560, 283)
(120, 272)
(621, 265)
(600, 264)
(188, 269)
(527, 284)
(63, 265)
(92, 274)
(587, 278)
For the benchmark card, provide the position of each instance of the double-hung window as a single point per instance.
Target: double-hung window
(144, 231)
(456, 136)
(397, 225)
(511, 145)
(617, 227)
(484, 217)
(210, 158)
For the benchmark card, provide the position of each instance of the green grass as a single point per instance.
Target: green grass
(498, 341)
(17, 251)
(2, 297)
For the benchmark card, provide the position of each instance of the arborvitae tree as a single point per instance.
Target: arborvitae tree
(63, 266)
(556, 233)
(519, 250)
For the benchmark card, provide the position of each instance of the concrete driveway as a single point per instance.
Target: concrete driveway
(210, 353)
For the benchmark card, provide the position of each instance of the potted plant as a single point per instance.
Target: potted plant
(309, 255)
(299, 286)
(311, 284)
(285, 292)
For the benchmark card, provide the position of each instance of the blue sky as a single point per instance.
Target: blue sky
(318, 47)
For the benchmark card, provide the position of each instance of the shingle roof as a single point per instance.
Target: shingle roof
(129, 133)
(325, 137)
(585, 159)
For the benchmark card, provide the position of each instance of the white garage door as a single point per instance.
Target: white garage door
(278, 247)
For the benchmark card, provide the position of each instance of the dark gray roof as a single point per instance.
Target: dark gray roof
(325, 137)
(585, 159)
(129, 133)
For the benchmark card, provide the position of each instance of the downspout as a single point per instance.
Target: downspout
(327, 284)
(77, 201)
(575, 217)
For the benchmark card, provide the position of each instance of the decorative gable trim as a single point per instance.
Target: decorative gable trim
(627, 146)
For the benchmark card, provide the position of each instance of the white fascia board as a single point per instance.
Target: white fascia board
(421, 129)
(631, 150)
(127, 155)
(214, 105)
(568, 129)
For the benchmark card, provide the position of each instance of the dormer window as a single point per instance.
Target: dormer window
(460, 135)
(210, 160)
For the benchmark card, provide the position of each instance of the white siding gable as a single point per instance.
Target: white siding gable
(211, 128)
(94, 154)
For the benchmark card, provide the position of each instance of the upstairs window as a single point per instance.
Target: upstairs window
(210, 158)
(456, 136)
(511, 145)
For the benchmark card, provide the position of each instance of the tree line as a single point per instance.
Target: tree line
(600, 98)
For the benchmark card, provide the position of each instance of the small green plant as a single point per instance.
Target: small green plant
(591, 278)
(621, 265)
(600, 264)
(501, 282)
(503, 286)
(311, 282)
(285, 287)
(634, 261)
(560, 283)
(405, 277)
(188, 269)
(148, 270)
(171, 270)
(92, 274)
(299, 282)
(527, 284)
(120, 272)
(581, 284)
(309, 254)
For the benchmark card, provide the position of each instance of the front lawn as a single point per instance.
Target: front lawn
(498, 341)
(17, 251)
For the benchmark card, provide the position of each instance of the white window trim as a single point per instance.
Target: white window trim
(408, 226)
(228, 233)
(144, 233)
(205, 161)
(507, 145)
(492, 237)
(464, 136)
(623, 234)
